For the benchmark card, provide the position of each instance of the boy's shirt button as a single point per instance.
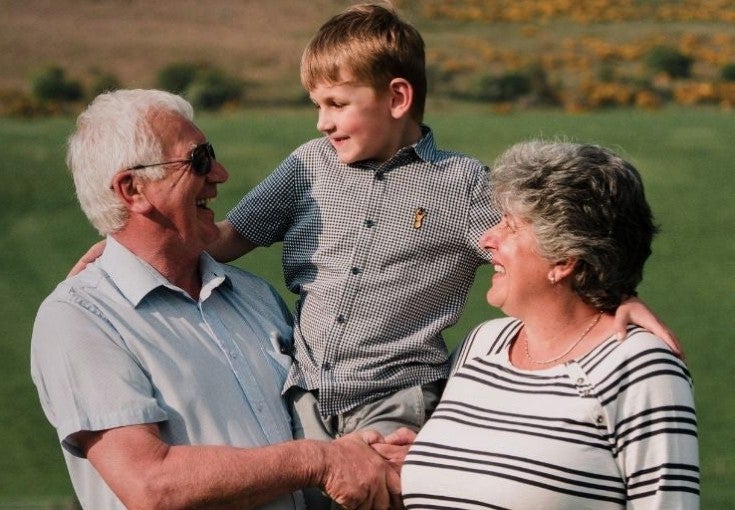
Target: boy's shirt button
(356, 270)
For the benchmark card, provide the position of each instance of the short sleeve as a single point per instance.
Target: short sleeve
(85, 377)
(265, 214)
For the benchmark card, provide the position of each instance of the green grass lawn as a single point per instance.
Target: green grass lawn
(686, 158)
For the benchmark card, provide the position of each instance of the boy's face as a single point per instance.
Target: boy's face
(357, 120)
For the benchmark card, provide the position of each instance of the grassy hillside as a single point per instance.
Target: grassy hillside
(685, 157)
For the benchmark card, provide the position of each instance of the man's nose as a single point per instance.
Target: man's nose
(218, 174)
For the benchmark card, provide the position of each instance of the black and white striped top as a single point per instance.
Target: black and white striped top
(614, 429)
(381, 255)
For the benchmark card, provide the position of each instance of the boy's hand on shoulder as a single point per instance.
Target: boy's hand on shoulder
(635, 311)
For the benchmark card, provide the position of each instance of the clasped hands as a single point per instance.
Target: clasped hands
(364, 470)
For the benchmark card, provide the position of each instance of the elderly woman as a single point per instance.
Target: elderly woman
(545, 408)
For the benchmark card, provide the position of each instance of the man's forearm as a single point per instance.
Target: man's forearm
(144, 472)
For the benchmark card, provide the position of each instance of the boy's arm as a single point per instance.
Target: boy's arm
(230, 245)
(635, 311)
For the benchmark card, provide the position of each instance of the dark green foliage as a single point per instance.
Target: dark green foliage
(665, 59)
(529, 85)
(727, 72)
(542, 92)
(103, 82)
(51, 84)
(206, 87)
(212, 89)
(504, 87)
(177, 77)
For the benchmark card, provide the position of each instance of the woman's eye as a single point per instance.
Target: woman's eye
(508, 224)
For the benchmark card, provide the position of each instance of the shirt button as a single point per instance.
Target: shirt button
(580, 380)
(341, 319)
(327, 366)
(379, 176)
(369, 223)
(355, 270)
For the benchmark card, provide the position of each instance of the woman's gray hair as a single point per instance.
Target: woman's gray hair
(112, 134)
(583, 201)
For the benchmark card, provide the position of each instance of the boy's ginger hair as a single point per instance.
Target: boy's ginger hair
(373, 44)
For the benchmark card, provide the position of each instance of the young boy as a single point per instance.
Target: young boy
(380, 232)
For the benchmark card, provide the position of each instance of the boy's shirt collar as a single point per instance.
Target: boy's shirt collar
(425, 148)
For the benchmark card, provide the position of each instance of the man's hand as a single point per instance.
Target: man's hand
(92, 254)
(635, 311)
(395, 447)
(356, 477)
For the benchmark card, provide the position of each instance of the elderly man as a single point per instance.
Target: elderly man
(161, 369)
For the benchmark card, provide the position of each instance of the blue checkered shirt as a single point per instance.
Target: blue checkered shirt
(381, 257)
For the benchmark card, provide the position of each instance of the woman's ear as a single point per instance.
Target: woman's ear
(562, 269)
(129, 190)
(401, 97)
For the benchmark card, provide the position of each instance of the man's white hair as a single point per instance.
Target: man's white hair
(112, 134)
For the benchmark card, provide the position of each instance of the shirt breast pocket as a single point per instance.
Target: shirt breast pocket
(281, 355)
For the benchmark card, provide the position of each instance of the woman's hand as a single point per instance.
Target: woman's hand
(394, 447)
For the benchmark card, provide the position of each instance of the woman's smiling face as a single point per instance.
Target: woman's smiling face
(521, 274)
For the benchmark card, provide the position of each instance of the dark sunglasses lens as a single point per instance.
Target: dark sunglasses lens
(201, 159)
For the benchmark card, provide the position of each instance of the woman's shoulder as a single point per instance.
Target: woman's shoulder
(487, 338)
(639, 356)
(639, 341)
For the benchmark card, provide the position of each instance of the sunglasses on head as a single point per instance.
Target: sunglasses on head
(200, 160)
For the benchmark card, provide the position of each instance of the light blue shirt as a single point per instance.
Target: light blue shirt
(120, 345)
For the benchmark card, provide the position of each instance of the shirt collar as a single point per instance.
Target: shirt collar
(425, 148)
(135, 278)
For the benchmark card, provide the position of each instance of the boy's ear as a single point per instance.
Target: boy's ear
(129, 190)
(401, 97)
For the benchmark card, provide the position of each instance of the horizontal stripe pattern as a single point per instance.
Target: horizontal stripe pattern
(615, 429)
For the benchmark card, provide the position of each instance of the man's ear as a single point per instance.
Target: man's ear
(401, 97)
(129, 190)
